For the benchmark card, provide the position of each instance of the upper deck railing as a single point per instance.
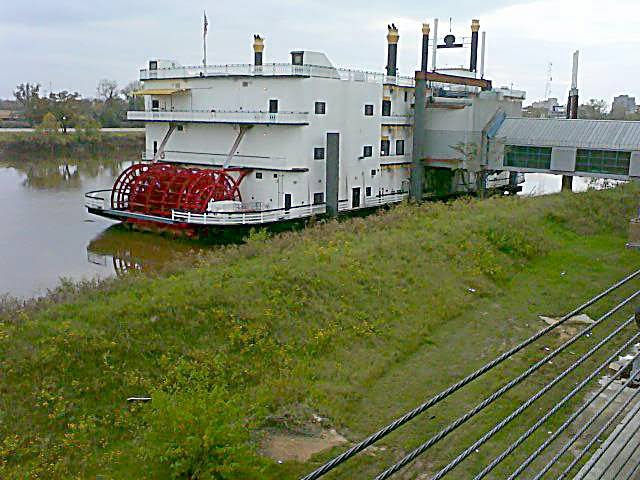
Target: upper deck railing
(274, 70)
(220, 116)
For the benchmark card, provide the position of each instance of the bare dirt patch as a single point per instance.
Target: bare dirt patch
(289, 446)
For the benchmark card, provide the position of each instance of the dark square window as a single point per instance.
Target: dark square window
(367, 151)
(180, 128)
(399, 147)
(318, 153)
(386, 108)
(258, 174)
(155, 104)
(385, 147)
(368, 191)
(318, 198)
(153, 65)
(368, 110)
(273, 106)
(321, 108)
(275, 175)
(373, 173)
(297, 58)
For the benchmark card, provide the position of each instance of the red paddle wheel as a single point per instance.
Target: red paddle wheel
(158, 188)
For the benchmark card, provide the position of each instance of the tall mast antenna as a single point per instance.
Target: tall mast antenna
(547, 87)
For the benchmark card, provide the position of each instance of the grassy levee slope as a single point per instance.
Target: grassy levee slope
(356, 321)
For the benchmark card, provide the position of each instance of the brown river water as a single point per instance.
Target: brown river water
(46, 233)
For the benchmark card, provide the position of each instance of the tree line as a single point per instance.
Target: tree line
(69, 109)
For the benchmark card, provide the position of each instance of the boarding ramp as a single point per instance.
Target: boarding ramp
(578, 388)
(593, 148)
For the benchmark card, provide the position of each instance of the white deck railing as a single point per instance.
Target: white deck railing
(273, 70)
(101, 200)
(247, 218)
(98, 199)
(217, 116)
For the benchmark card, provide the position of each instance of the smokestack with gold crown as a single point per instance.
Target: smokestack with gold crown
(392, 56)
(475, 28)
(258, 48)
(425, 47)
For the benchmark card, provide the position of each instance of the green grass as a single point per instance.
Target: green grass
(357, 321)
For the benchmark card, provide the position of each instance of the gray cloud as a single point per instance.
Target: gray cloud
(72, 44)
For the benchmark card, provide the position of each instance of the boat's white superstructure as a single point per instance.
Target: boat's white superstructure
(278, 130)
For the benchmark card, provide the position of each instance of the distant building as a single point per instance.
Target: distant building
(549, 108)
(549, 104)
(624, 103)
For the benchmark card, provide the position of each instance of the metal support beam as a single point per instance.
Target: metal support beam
(332, 173)
(158, 154)
(454, 79)
(236, 144)
(435, 45)
(419, 125)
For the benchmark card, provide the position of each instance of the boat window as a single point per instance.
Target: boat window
(385, 147)
(258, 174)
(318, 198)
(368, 191)
(406, 96)
(155, 104)
(368, 110)
(373, 172)
(321, 108)
(318, 153)
(273, 106)
(386, 108)
(297, 58)
(399, 147)
(367, 151)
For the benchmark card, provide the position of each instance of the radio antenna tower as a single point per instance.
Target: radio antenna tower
(547, 87)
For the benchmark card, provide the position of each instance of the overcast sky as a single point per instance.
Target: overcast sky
(71, 44)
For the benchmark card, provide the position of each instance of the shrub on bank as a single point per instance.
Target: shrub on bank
(86, 138)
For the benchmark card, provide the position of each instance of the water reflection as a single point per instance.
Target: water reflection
(546, 183)
(63, 173)
(45, 227)
(47, 234)
(124, 250)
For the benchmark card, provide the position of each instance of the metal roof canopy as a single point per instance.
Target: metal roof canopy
(559, 132)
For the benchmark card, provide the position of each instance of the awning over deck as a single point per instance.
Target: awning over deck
(161, 91)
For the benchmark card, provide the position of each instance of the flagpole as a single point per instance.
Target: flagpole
(204, 39)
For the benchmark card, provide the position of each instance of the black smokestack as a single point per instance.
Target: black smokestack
(425, 47)
(258, 48)
(392, 56)
(475, 28)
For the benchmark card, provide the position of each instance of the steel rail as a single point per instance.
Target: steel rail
(451, 465)
(615, 457)
(596, 437)
(383, 432)
(505, 388)
(574, 416)
(635, 469)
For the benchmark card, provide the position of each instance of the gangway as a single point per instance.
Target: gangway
(576, 147)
